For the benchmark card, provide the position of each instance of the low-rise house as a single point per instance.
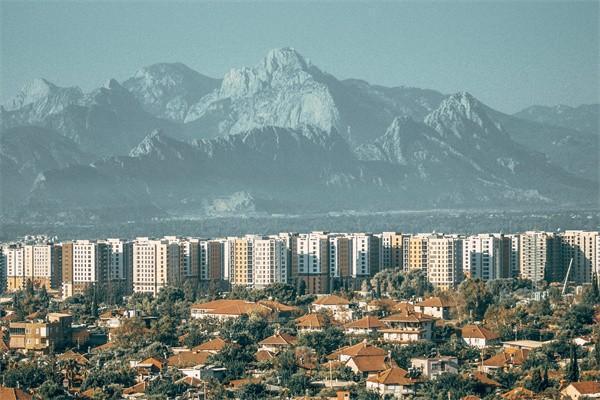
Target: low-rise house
(504, 360)
(278, 342)
(224, 309)
(187, 360)
(137, 390)
(431, 367)
(7, 393)
(435, 307)
(364, 326)
(212, 346)
(363, 358)
(582, 390)
(311, 323)
(408, 326)
(519, 393)
(488, 384)
(148, 367)
(336, 305)
(525, 344)
(393, 381)
(478, 336)
(53, 333)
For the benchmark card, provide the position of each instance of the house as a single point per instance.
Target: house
(364, 326)
(336, 305)
(581, 390)
(435, 307)
(363, 358)
(393, 381)
(7, 393)
(478, 336)
(505, 360)
(434, 366)
(136, 390)
(212, 346)
(224, 309)
(188, 359)
(278, 342)
(148, 367)
(384, 305)
(488, 384)
(42, 335)
(311, 323)
(408, 326)
(519, 393)
(525, 344)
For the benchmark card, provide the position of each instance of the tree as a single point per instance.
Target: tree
(286, 366)
(476, 298)
(50, 390)
(325, 341)
(572, 370)
(536, 382)
(301, 288)
(235, 358)
(253, 391)
(298, 384)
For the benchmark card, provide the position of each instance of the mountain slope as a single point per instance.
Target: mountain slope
(584, 118)
(168, 90)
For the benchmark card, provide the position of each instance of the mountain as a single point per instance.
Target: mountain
(280, 137)
(106, 121)
(25, 152)
(584, 118)
(167, 90)
(287, 90)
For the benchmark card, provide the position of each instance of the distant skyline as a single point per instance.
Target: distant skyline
(508, 54)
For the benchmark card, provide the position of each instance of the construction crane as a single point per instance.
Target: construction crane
(567, 277)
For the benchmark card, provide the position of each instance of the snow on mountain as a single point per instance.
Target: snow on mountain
(280, 91)
(167, 90)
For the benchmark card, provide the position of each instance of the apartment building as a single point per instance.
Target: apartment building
(486, 256)
(515, 266)
(155, 264)
(190, 258)
(310, 261)
(340, 257)
(240, 261)
(269, 261)
(84, 263)
(415, 251)
(579, 246)
(54, 333)
(390, 250)
(538, 255)
(444, 261)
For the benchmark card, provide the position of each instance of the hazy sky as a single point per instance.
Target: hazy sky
(508, 54)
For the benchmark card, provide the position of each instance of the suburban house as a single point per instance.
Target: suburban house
(364, 326)
(189, 363)
(582, 390)
(53, 333)
(431, 367)
(311, 323)
(408, 326)
(278, 342)
(362, 358)
(505, 360)
(225, 309)
(393, 381)
(478, 336)
(435, 307)
(212, 346)
(336, 305)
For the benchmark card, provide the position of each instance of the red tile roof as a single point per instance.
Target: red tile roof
(478, 332)
(367, 322)
(331, 300)
(435, 302)
(392, 376)
(587, 387)
(282, 339)
(216, 344)
(314, 321)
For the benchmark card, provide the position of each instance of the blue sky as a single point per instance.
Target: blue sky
(508, 54)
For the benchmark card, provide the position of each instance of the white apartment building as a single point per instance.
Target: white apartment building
(444, 261)
(483, 256)
(311, 248)
(85, 262)
(117, 268)
(14, 261)
(364, 254)
(580, 246)
(269, 262)
(515, 266)
(155, 264)
(190, 255)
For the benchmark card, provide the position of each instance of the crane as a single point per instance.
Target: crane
(567, 277)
